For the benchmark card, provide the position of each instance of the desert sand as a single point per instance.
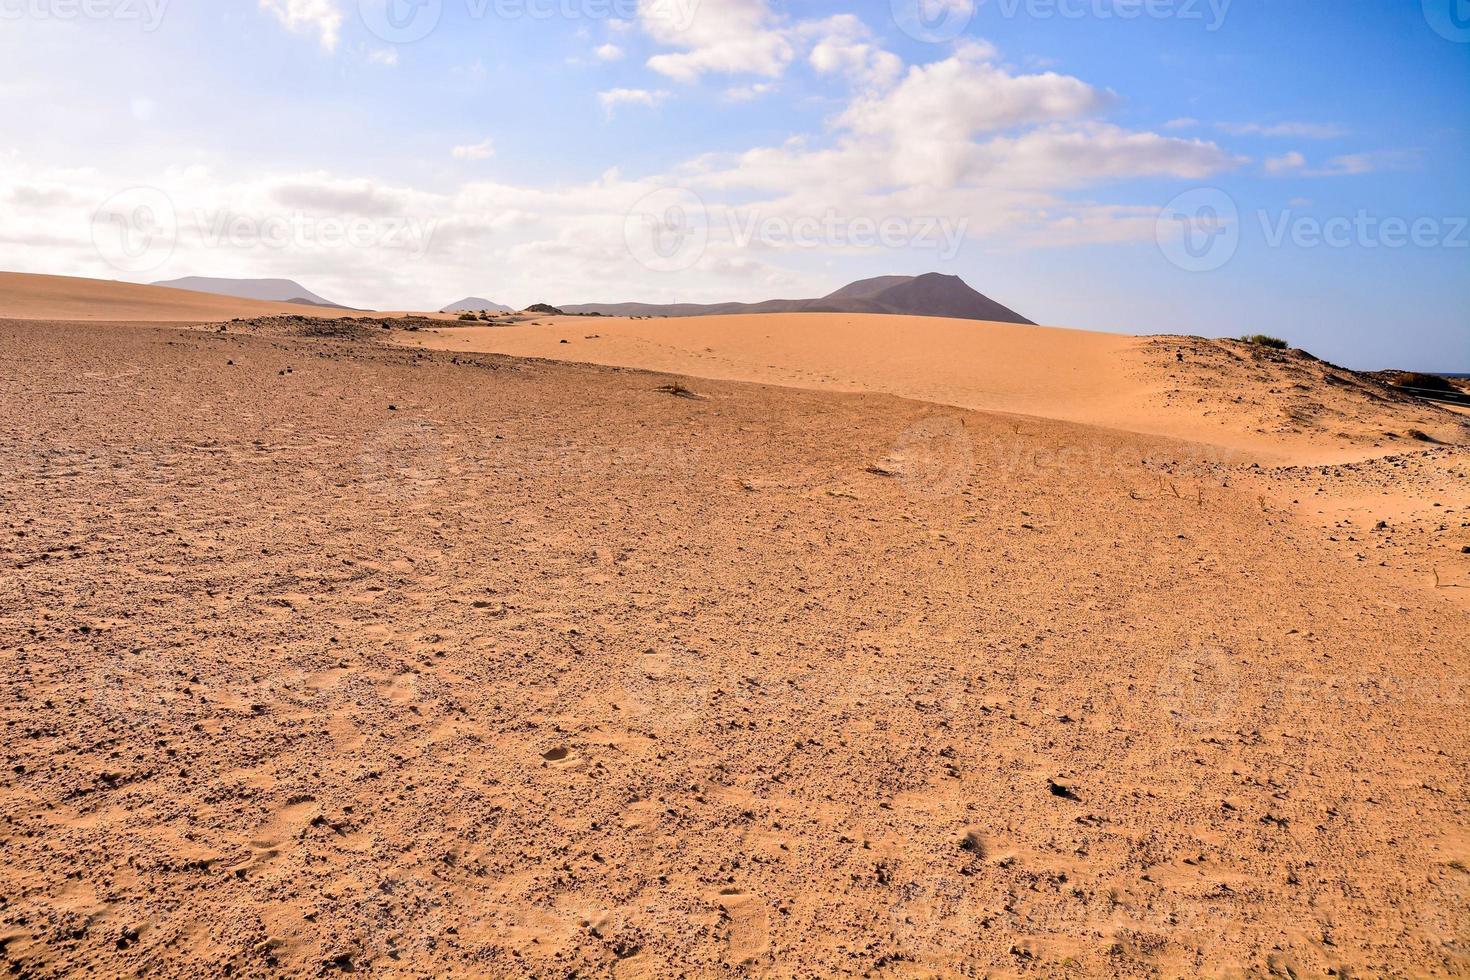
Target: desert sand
(25, 296)
(324, 653)
(1244, 400)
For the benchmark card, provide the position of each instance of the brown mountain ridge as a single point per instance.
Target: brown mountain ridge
(931, 294)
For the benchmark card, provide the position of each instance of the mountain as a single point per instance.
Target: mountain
(475, 304)
(273, 290)
(931, 294)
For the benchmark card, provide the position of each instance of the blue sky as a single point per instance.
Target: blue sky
(1148, 166)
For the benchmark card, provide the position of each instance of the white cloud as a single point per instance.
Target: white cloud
(951, 101)
(723, 36)
(749, 93)
(930, 119)
(844, 47)
(1065, 156)
(613, 98)
(1352, 164)
(1346, 165)
(1184, 122)
(964, 139)
(322, 16)
(388, 57)
(609, 52)
(1285, 164)
(483, 150)
(1300, 130)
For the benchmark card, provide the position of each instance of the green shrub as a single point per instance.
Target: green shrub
(1262, 340)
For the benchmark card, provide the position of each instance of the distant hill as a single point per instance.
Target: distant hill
(270, 290)
(475, 304)
(931, 294)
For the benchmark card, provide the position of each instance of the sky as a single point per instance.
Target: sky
(1215, 167)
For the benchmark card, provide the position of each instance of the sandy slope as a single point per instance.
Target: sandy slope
(1179, 387)
(323, 655)
(30, 297)
(24, 296)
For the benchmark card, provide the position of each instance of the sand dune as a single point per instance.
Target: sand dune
(1248, 403)
(1274, 407)
(32, 297)
(325, 655)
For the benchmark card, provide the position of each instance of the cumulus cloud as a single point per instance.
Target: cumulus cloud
(845, 46)
(609, 52)
(1299, 130)
(967, 139)
(1345, 165)
(483, 150)
(953, 100)
(720, 36)
(749, 93)
(613, 98)
(324, 17)
(1285, 164)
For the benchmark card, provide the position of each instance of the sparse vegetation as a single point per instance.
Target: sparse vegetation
(1427, 382)
(468, 316)
(678, 390)
(1265, 340)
